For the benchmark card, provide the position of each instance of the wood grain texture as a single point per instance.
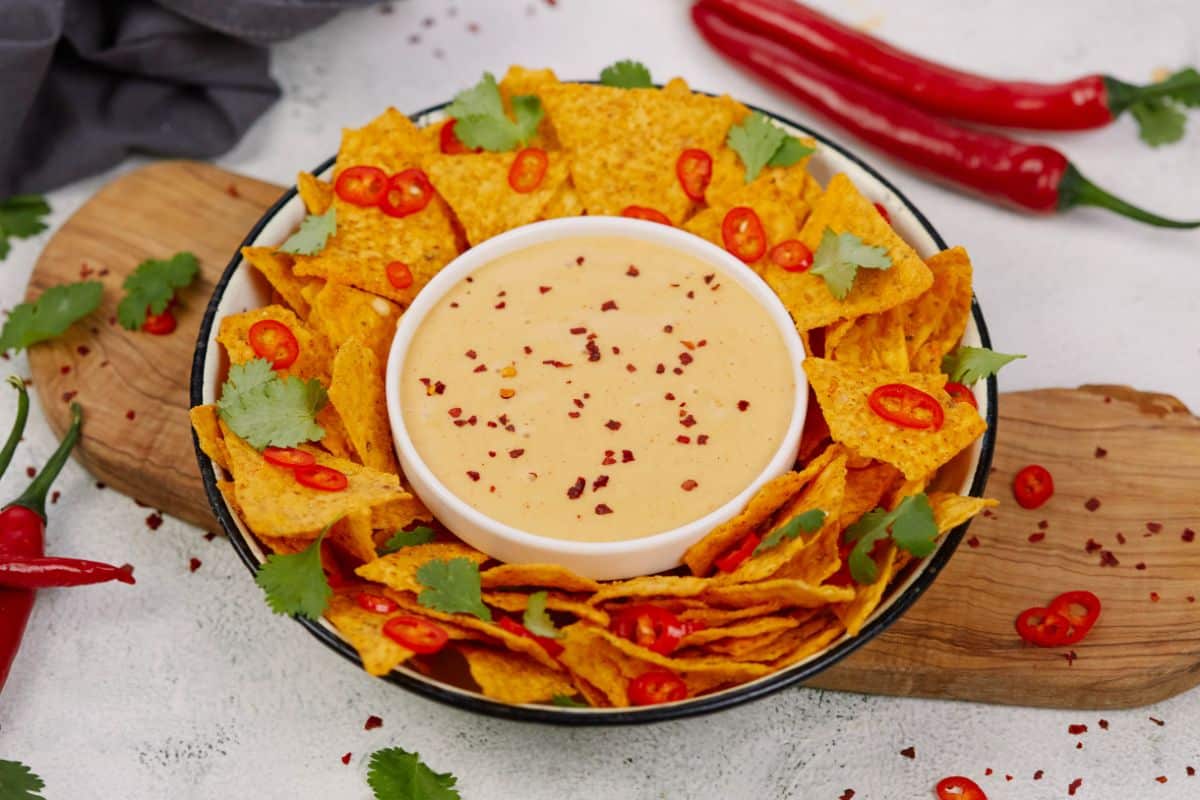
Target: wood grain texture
(956, 642)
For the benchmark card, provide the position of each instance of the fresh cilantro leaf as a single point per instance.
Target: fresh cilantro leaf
(536, 620)
(151, 286)
(483, 123)
(759, 142)
(1183, 87)
(396, 774)
(295, 584)
(269, 411)
(452, 586)
(17, 782)
(626, 74)
(969, 364)
(1158, 108)
(839, 257)
(563, 701)
(910, 525)
(791, 151)
(314, 231)
(402, 539)
(21, 217)
(49, 315)
(807, 522)
(1159, 121)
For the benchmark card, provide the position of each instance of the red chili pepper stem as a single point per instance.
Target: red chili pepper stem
(18, 428)
(34, 497)
(1121, 95)
(1076, 190)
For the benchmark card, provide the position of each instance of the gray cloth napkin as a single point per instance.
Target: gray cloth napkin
(85, 83)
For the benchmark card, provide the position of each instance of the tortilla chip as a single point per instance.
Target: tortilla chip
(951, 510)
(565, 203)
(854, 614)
(356, 391)
(517, 601)
(865, 488)
(229, 494)
(625, 142)
(522, 81)
(316, 193)
(788, 591)
(512, 678)
(398, 570)
(651, 586)
(274, 504)
(390, 142)
(314, 358)
(276, 267)
(364, 631)
(352, 535)
(842, 390)
(773, 494)
(773, 645)
(207, 426)
(754, 627)
(477, 189)
(595, 674)
(341, 313)
(284, 545)
(399, 514)
(335, 440)
(935, 321)
(872, 340)
(550, 576)
(716, 617)
(815, 642)
(842, 209)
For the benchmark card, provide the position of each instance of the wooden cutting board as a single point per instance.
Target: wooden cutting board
(1137, 454)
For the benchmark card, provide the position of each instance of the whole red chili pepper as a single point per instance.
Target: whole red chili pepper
(46, 571)
(1032, 177)
(1088, 102)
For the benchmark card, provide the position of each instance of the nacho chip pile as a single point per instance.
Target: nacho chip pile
(607, 149)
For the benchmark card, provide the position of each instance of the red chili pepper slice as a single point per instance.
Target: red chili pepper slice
(159, 324)
(656, 686)
(793, 255)
(907, 406)
(528, 169)
(1065, 605)
(552, 647)
(1042, 627)
(743, 234)
(399, 275)
(650, 626)
(449, 142)
(961, 394)
(416, 633)
(325, 479)
(694, 169)
(376, 603)
(289, 457)
(407, 193)
(361, 186)
(883, 212)
(734, 558)
(648, 214)
(274, 341)
(956, 787)
(1033, 486)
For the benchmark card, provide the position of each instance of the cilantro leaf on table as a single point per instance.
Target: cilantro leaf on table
(18, 782)
(563, 701)
(401, 539)
(536, 620)
(452, 586)
(1158, 108)
(295, 584)
(759, 143)
(910, 525)
(967, 365)
(839, 257)
(150, 287)
(396, 774)
(626, 74)
(21, 217)
(807, 522)
(483, 123)
(314, 232)
(50, 315)
(269, 411)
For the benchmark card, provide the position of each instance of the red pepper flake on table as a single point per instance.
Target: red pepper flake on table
(372, 723)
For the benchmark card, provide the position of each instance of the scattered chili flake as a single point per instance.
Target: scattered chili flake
(573, 414)
(69, 396)
(688, 485)
(602, 509)
(702, 439)
(669, 396)
(1161, 779)
(685, 358)
(632, 271)
(1156, 721)
(372, 723)
(1036, 537)
(613, 425)
(688, 421)
(691, 295)
(1075, 784)
(630, 368)
(593, 351)
(579, 261)
(578, 330)
(847, 795)
(99, 484)
(1037, 776)
(660, 369)
(1120, 538)
(600, 482)
(578, 403)
(470, 354)
(65, 369)
(1008, 778)
(455, 412)
(507, 394)
(480, 368)
(194, 564)
(1191, 772)
(1092, 546)
(1188, 535)
(83, 350)
(439, 388)
(743, 405)
(31, 471)
(544, 289)
(1092, 503)
(54, 497)
(609, 305)
(491, 453)
(1107, 559)
(1075, 730)
(1043, 524)
(500, 305)
(683, 439)
(232, 191)
(1154, 598)
(516, 452)
(1079, 745)
(1070, 656)
(909, 752)
(154, 521)
(626, 456)
(1103, 724)
(973, 541)
(987, 771)
(1140, 565)
(575, 491)
(554, 362)
(1154, 527)
(346, 758)
(1101, 452)
(668, 328)
(473, 475)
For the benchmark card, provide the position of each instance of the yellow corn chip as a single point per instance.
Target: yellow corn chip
(341, 313)
(866, 598)
(700, 674)
(517, 601)
(564, 203)
(276, 267)
(842, 209)
(390, 142)
(314, 358)
(335, 440)
(285, 545)
(788, 591)
(513, 678)
(522, 81)
(715, 617)
(208, 433)
(399, 514)
(364, 631)
(951, 510)
(651, 586)
(773, 645)
(586, 657)
(754, 627)
(872, 340)
(817, 641)
(352, 535)
(316, 193)
(936, 320)
(728, 186)
(550, 576)
(842, 390)
(865, 488)
(229, 493)
(398, 570)
(356, 391)
(700, 556)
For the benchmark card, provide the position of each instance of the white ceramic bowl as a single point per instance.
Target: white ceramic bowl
(599, 560)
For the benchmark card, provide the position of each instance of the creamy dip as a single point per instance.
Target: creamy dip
(597, 389)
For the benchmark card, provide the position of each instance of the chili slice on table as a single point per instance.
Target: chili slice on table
(793, 255)
(743, 234)
(960, 393)
(528, 169)
(361, 185)
(449, 142)
(1042, 627)
(159, 324)
(907, 406)
(274, 341)
(416, 633)
(648, 214)
(376, 603)
(734, 558)
(694, 170)
(408, 192)
(399, 275)
(325, 479)
(1065, 605)
(552, 647)
(956, 787)
(1033, 486)
(289, 457)
(656, 686)
(650, 626)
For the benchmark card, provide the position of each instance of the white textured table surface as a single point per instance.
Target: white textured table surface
(187, 687)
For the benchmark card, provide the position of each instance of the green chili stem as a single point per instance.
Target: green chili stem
(1122, 95)
(34, 497)
(18, 429)
(1076, 190)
